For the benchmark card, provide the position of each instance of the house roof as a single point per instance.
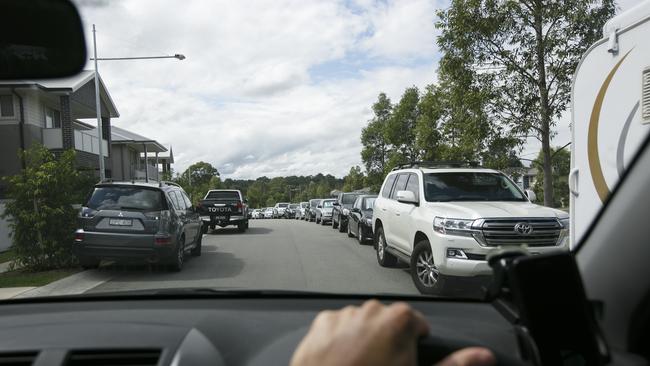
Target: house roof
(69, 84)
(169, 156)
(122, 136)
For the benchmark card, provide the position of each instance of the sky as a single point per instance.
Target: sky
(268, 88)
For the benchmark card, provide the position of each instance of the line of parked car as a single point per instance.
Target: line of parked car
(443, 220)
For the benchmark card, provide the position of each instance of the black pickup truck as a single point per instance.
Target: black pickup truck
(223, 207)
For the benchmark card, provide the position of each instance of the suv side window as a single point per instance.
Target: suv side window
(174, 198)
(400, 185)
(413, 185)
(388, 186)
(188, 202)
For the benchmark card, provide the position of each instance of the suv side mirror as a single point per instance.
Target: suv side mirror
(336, 203)
(319, 206)
(355, 209)
(531, 195)
(406, 197)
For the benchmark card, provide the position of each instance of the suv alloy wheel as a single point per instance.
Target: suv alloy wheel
(384, 258)
(423, 270)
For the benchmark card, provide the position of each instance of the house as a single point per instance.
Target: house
(131, 157)
(47, 112)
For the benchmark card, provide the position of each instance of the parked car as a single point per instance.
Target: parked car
(324, 211)
(302, 210)
(445, 220)
(344, 202)
(360, 218)
(310, 212)
(137, 221)
(257, 214)
(223, 207)
(268, 213)
(278, 210)
(290, 212)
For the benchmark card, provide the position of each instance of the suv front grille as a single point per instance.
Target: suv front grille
(545, 232)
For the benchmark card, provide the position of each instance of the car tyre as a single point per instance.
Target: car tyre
(334, 223)
(196, 251)
(359, 232)
(179, 257)
(89, 262)
(384, 258)
(322, 222)
(241, 227)
(350, 235)
(342, 227)
(424, 273)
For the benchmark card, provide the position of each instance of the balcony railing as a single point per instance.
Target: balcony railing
(88, 142)
(139, 173)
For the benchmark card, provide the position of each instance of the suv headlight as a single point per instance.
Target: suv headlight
(566, 223)
(460, 227)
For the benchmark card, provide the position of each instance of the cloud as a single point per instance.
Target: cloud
(268, 87)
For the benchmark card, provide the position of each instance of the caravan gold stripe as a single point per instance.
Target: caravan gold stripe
(592, 136)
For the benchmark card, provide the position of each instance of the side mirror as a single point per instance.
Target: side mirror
(319, 206)
(531, 195)
(336, 203)
(406, 197)
(355, 209)
(245, 200)
(41, 39)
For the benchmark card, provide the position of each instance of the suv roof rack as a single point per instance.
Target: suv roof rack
(438, 165)
(170, 183)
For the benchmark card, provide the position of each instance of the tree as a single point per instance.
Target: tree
(561, 166)
(354, 180)
(400, 128)
(527, 51)
(201, 173)
(374, 153)
(428, 137)
(40, 208)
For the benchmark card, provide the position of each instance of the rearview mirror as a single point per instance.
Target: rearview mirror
(531, 195)
(40, 39)
(406, 197)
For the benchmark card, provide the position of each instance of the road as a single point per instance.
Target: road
(272, 254)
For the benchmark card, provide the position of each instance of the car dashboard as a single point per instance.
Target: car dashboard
(197, 331)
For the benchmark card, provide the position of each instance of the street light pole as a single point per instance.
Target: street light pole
(102, 173)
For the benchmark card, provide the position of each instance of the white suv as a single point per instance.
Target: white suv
(444, 221)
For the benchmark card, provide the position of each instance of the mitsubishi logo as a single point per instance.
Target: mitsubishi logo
(523, 228)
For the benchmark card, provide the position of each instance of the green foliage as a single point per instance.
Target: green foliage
(521, 55)
(561, 163)
(40, 211)
(354, 180)
(197, 179)
(374, 153)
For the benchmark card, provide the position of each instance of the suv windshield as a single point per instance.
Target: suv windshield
(328, 203)
(349, 198)
(126, 198)
(470, 186)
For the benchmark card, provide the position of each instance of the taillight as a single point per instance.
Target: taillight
(163, 240)
(78, 236)
(239, 205)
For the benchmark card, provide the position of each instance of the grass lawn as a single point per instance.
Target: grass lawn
(7, 256)
(20, 278)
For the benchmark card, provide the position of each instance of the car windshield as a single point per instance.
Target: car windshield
(368, 204)
(348, 199)
(470, 186)
(451, 118)
(126, 198)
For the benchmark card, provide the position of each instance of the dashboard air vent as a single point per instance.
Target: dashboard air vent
(17, 358)
(114, 357)
(645, 96)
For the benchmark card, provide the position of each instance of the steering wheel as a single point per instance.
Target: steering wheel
(432, 349)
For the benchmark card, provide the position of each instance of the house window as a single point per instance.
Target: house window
(52, 118)
(6, 106)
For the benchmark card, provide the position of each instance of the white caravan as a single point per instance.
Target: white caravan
(610, 112)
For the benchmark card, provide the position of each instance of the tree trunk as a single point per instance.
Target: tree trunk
(545, 115)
